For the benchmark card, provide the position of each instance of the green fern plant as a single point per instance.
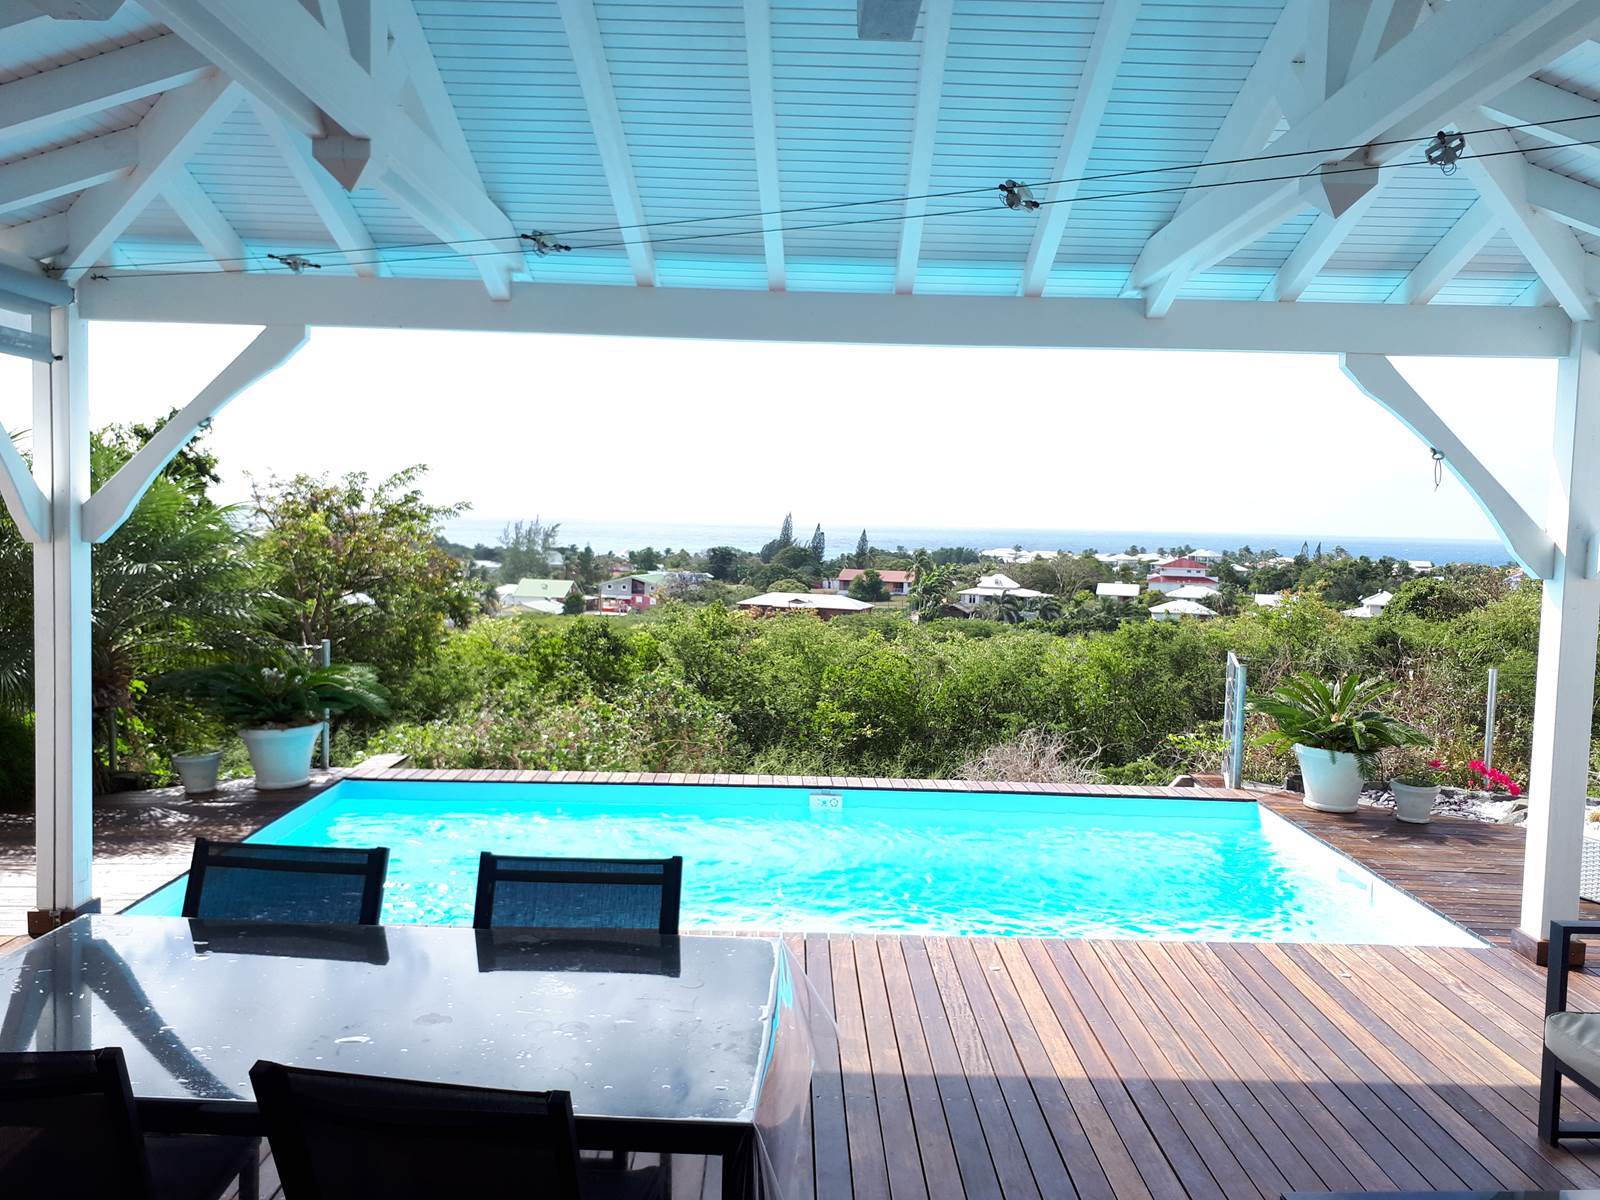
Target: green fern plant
(1339, 715)
(280, 692)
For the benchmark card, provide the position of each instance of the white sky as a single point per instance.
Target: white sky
(605, 428)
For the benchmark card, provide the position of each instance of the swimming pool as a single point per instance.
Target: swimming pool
(863, 860)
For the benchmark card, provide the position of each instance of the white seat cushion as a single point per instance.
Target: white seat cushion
(1574, 1038)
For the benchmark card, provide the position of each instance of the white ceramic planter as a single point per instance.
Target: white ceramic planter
(1332, 779)
(281, 757)
(198, 771)
(1413, 804)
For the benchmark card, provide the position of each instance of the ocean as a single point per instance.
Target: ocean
(620, 536)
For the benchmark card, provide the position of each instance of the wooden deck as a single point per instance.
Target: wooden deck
(981, 1069)
(971, 1069)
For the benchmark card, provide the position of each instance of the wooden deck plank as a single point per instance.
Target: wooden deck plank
(869, 1170)
(829, 1132)
(902, 1144)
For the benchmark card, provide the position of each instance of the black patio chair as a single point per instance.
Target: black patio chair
(249, 881)
(336, 1135)
(1571, 1039)
(69, 1131)
(578, 893)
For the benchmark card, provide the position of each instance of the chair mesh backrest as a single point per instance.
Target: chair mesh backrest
(68, 1129)
(336, 1136)
(578, 893)
(247, 881)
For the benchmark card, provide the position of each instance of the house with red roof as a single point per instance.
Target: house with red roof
(1180, 572)
(898, 582)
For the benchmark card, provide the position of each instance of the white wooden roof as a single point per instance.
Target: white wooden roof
(762, 146)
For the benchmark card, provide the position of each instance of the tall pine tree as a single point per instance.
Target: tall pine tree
(863, 551)
(786, 534)
(819, 543)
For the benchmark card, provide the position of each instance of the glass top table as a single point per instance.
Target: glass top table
(655, 1037)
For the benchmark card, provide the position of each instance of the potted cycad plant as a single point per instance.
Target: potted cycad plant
(278, 705)
(1334, 730)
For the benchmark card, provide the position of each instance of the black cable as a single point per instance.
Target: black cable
(125, 273)
(518, 240)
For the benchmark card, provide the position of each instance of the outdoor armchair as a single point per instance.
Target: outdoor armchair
(252, 881)
(1571, 1039)
(578, 893)
(69, 1131)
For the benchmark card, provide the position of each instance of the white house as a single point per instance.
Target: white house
(1370, 606)
(898, 583)
(1210, 557)
(1117, 591)
(1174, 609)
(1269, 599)
(528, 593)
(989, 587)
(1193, 591)
(824, 604)
(1174, 573)
(1420, 566)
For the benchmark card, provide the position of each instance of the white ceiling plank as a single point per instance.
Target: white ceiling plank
(1500, 173)
(599, 96)
(320, 299)
(412, 62)
(1320, 243)
(1551, 114)
(764, 131)
(211, 229)
(1083, 123)
(37, 103)
(1458, 247)
(412, 167)
(57, 173)
(924, 133)
(169, 135)
(1461, 55)
(1251, 119)
(328, 200)
(41, 238)
(1568, 200)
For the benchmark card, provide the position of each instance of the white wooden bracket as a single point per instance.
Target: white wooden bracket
(1529, 544)
(24, 500)
(106, 510)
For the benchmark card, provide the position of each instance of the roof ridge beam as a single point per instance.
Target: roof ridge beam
(924, 133)
(72, 168)
(1457, 58)
(323, 193)
(170, 133)
(764, 130)
(1469, 235)
(38, 103)
(1551, 248)
(1375, 375)
(194, 208)
(605, 119)
(1111, 34)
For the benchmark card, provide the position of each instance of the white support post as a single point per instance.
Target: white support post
(63, 744)
(1569, 620)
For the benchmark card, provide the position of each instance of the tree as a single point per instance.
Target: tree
(572, 603)
(585, 567)
(723, 562)
(819, 544)
(863, 557)
(868, 586)
(644, 560)
(783, 541)
(1006, 608)
(930, 589)
(1048, 608)
(357, 563)
(525, 550)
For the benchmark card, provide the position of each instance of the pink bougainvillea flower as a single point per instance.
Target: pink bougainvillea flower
(1477, 765)
(1514, 790)
(1435, 764)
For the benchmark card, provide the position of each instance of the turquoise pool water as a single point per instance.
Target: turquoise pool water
(883, 861)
